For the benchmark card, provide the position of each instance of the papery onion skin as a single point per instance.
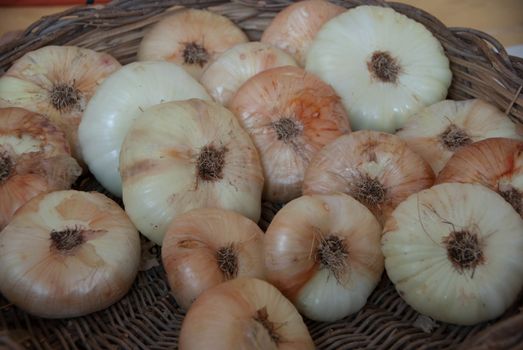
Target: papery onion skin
(290, 115)
(205, 247)
(440, 282)
(384, 66)
(191, 38)
(34, 159)
(223, 77)
(58, 82)
(324, 285)
(294, 28)
(376, 168)
(244, 313)
(165, 170)
(118, 102)
(437, 131)
(496, 163)
(57, 280)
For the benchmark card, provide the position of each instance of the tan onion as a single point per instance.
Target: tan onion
(223, 77)
(205, 247)
(191, 38)
(378, 169)
(294, 28)
(67, 254)
(496, 163)
(184, 155)
(438, 131)
(244, 313)
(34, 159)
(323, 253)
(290, 115)
(58, 82)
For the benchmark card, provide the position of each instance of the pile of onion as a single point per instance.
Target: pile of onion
(34, 159)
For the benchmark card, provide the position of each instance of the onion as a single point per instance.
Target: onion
(184, 155)
(454, 253)
(191, 38)
(439, 130)
(496, 163)
(291, 115)
(384, 65)
(34, 159)
(118, 102)
(67, 254)
(57, 81)
(323, 253)
(244, 313)
(376, 168)
(294, 28)
(205, 247)
(223, 77)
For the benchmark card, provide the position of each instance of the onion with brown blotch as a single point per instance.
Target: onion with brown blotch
(34, 159)
(67, 254)
(183, 155)
(294, 28)
(205, 247)
(439, 130)
(244, 313)
(323, 252)
(191, 38)
(496, 163)
(376, 168)
(290, 115)
(58, 82)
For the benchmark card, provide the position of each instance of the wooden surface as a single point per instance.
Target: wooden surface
(503, 19)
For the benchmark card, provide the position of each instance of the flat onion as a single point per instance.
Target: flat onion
(205, 247)
(291, 115)
(496, 163)
(191, 38)
(438, 131)
(223, 77)
(244, 313)
(57, 81)
(67, 254)
(384, 65)
(454, 253)
(376, 168)
(184, 155)
(118, 102)
(34, 159)
(294, 28)
(323, 252)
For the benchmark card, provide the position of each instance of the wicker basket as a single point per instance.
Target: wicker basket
(148, 317)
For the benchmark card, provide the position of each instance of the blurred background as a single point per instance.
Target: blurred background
(502, 19)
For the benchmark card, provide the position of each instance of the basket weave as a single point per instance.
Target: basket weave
(148, 317)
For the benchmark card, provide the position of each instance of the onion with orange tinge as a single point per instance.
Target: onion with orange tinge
(191, 38)
(290, 115)
(376, 168)
(205, 247)
(439, 130)
(34, 159)
(496, 163)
